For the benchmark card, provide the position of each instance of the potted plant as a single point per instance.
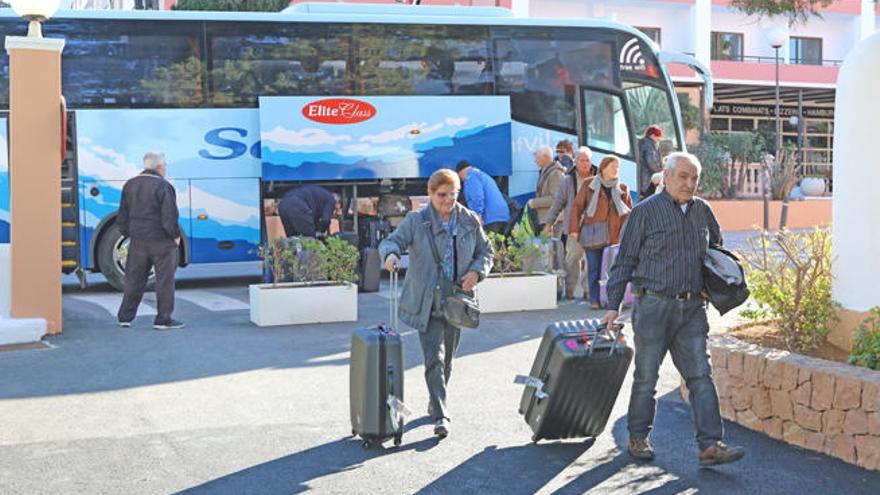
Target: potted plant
(813, 186)
(517, 282)
(312, 282)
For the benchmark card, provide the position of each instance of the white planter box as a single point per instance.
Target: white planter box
(296, 303)
(517, 292)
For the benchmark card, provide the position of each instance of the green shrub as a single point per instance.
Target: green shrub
(866, 342)
(790, 277)
(518, 252)
(310, 260)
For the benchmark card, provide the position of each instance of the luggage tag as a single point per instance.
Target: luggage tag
(530, 381)
(399, 411)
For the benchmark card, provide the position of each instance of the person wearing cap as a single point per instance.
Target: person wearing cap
(650, 163)
(483, 197)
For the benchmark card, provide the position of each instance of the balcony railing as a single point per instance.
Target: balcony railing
(761, 59)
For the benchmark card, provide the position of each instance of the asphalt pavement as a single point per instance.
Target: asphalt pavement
(225, 407)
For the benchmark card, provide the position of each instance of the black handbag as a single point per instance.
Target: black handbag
(453, 304)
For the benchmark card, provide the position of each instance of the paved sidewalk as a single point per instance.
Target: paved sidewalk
(225, 407)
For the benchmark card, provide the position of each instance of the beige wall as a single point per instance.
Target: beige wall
(35, 179)
(749, 214)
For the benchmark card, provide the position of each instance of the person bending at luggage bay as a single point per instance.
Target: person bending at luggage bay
(597, 215)
(662, 250)
(148, 217)
(307, 211)
(483, 197)
(457, 234)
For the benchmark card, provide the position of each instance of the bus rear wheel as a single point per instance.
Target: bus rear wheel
(112, 254)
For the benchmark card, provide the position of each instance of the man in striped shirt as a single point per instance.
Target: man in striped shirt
(661, 253)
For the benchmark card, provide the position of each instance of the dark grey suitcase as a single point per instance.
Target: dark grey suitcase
(376, 380)
(370, 270)
(575, 380)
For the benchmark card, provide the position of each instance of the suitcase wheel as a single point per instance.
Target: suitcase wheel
(367, 444)
(535, 438)
(398, 439)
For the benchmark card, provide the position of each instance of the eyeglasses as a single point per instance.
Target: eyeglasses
(443, 195)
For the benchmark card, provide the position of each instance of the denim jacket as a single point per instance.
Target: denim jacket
(474, 254)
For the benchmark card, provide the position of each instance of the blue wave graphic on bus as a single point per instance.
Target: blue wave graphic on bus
(217, 190)
(487, 148)
(4, 184)
(395, 137)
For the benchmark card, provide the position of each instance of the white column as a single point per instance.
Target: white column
(701, 31)
(856, 211)
(867, 21)
(520, 8)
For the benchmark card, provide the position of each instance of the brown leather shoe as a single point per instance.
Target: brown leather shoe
(640, 448)
(720, 454)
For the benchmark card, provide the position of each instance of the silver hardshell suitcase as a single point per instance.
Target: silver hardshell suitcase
(376, 380)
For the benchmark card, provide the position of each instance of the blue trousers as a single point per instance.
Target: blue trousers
(594, 271)
(681, 328)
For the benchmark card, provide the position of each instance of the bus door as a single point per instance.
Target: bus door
(603, 124)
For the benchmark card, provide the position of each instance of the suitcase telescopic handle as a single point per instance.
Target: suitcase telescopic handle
(395, 301)
(613, 334)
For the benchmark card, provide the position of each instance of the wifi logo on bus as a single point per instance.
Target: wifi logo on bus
(339, 111)
(631, 57)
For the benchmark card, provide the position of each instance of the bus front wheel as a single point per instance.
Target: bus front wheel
(112, 254)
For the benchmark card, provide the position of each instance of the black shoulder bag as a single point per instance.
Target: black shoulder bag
(458, 308)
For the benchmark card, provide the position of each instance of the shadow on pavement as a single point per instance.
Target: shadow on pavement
(94, 355)
(676, 469)
(291, 474)
(526, 467)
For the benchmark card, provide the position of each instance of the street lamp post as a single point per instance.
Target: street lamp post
(777, 36)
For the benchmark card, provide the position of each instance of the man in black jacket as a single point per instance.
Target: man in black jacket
(307, 211)
(148, 217)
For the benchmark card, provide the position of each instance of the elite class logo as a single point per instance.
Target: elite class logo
(339, 111)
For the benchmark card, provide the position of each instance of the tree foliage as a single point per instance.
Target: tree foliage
(233, 5)
(690, 114)
(797, 11)
(725, 158)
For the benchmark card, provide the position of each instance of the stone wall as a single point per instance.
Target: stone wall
(819, 405)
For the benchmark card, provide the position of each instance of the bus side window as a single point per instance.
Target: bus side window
(540, 70)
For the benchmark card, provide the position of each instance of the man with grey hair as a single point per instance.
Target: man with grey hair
(148, 216)
(552, 173)
(562, 202)
(664, 242)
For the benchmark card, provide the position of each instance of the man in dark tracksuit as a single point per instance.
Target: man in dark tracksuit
(307, 211)
(148, 217)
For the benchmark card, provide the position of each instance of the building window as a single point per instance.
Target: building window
(727, 46)
(651, 32)
(805, 50)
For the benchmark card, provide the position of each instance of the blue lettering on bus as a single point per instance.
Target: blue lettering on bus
(256, 150)
(236, 149)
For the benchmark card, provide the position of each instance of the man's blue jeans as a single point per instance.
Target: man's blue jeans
(680, 327)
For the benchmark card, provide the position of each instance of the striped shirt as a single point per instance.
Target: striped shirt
(663, 247)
